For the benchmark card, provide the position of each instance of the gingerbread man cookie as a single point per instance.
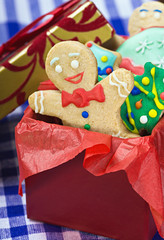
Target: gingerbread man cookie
(107, 60)
(80, 102)
(146, 42)
(149, 14)
(145, 104)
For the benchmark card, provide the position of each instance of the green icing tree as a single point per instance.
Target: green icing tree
(144, 106)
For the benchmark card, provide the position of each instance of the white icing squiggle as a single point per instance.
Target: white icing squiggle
(35, 103)
(118, 85)
(41, 102)
(117, 134)
(161, 43)
(143, 46)
(73, 54)
(159, 63)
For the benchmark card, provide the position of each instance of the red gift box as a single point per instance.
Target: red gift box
(22, 58)
(91, 181)
(70, 196)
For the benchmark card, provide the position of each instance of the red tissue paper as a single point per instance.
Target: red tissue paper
(45, 146)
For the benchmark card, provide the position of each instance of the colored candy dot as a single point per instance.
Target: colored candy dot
(145, 81)
(132, 115)
(162, 95)
(89, 44)
(85, 114)
(143, 119)
(135, 91)
(109, 70)
(152, 113)
(104, 58)
(139, 104)
(87, 126)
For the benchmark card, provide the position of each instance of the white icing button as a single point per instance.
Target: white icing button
(157, 15)
(143, 119)
(143, 14)
(75, 64)
(58, 69)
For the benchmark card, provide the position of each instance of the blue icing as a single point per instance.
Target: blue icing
(100, 52)
(132, 115)
(102, 72)
(135, 91)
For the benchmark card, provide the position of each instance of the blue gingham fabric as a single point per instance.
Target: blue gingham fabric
(14, 15)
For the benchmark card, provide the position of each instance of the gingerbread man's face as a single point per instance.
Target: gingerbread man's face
(150, 14)
(71, 66)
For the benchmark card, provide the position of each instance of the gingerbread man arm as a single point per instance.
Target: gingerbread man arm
(121, 81)
(47, 103)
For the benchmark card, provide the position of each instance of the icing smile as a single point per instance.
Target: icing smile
(75, 79)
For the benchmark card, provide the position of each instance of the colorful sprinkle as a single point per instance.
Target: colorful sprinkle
(109, 70)
(139, 104)
(152, 113)
(162, 95)
(135, 91)
(145, 81)
(89, 44)
(104, 58)
(143, 119)
(85, 114)
(87, 126)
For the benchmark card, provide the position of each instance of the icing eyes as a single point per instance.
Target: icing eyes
(58, 69)
(75, 64)
(157, 13)
(143, 13)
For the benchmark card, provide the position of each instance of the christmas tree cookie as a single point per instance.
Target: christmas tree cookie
(144, 106)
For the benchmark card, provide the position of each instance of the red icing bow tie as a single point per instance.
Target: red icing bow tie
(81, 98)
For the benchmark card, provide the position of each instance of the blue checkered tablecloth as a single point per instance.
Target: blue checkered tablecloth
(14, 15)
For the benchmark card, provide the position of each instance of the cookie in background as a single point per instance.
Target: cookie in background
(146, 42)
